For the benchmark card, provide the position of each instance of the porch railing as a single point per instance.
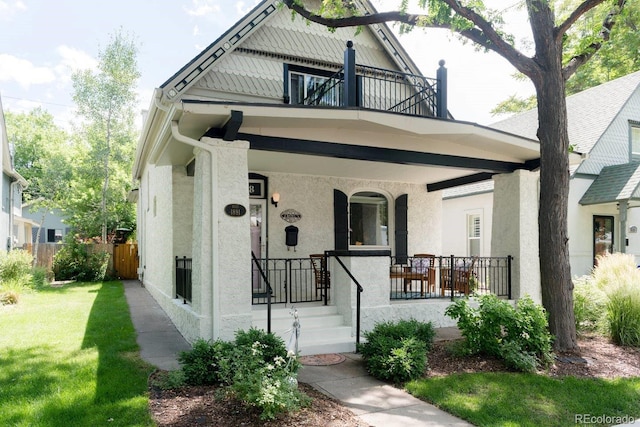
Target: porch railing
(449, 277)
(292, 281)
(183, 279)
(380, 89)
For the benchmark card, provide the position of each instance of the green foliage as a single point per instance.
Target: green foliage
(15, 275)
(96, 202)
(519, 335)
(397, 351)
(623, 315)
(255, 367)
(169, 380)
(75, 262)
(16, 266)
(202, 364)
(589, 305)
(616, 270)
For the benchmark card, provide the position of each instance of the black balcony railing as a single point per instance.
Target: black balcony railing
(292, 280)
(381, 89)
(183, 279)
(425, 277)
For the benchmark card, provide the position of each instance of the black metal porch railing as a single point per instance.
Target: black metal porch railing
(183, 279)
(449, 277)
(292, 280)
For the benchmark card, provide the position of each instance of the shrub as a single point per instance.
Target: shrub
(623, 315)
(201, 365)
(616, 270)
(255, 367)
(519, 335)
(74, 262)
(589, 305)
(9, 297)
(15, 266)
(397, 351)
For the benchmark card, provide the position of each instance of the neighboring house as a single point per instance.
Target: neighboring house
(603, 125)
(273, 143)
(14, 229)
(52, 222)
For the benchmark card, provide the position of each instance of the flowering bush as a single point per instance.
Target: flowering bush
(255, 367)
(519, 335)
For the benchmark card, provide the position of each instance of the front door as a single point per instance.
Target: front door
(603, 239)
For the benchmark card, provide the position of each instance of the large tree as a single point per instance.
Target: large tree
(548, 68)
(105, 102)
(616, 58)
(42, 156)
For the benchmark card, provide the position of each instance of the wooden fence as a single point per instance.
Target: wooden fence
(126, 253)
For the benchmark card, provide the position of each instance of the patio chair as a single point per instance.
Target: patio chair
(462, 274)
(424, 264)
(322, 275)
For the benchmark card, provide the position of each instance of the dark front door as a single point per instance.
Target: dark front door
(602, 236)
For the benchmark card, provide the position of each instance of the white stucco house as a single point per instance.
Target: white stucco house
(14, 229)
(603, 125)
(282, 140)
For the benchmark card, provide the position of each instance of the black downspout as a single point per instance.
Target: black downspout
(350, 93)
(441, 92)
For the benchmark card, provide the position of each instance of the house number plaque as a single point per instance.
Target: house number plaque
(235, 209)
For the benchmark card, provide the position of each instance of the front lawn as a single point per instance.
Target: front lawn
(68, 357)
(513, 399)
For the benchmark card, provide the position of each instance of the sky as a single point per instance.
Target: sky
(42, 42)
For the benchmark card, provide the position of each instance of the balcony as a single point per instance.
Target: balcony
(384, 90)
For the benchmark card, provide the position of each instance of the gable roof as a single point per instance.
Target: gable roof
(614, 184)
(589, 113)
(234, 37)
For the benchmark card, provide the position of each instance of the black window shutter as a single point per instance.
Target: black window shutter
(401, 229)
(341, 220)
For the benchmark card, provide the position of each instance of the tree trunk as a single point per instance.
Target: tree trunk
(555, 268)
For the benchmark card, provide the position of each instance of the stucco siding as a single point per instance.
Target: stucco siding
(312, 196)
(455, 227)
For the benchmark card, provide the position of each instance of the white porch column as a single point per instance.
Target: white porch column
(224, 244)
(231, 238)
(201, 244)
(515, 230)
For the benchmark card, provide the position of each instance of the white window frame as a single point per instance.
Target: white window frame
(474, 231)
(358, 197)
(634, 140)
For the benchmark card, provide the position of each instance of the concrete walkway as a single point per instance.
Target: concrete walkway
(374, 402)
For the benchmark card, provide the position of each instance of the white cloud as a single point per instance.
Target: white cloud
(24, 72)
(10, 8)
(202, 8)
(196, 30)
(76, 59)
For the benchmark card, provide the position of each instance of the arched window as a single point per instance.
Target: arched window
(368, 219)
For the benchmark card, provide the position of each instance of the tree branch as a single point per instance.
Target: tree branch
(605, 33)
(483, 33)
(583, 8)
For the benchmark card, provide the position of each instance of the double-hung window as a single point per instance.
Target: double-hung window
(474, 234)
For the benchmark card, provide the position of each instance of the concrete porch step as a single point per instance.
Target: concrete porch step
(322, 329)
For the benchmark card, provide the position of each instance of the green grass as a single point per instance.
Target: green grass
(510, 399)
(68, 357)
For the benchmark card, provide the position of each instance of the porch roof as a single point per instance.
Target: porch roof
(346, 142)
(614, 184)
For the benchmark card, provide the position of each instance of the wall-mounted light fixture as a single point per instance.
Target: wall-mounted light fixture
(275, 198)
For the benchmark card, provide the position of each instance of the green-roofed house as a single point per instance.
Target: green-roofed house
(604, 126)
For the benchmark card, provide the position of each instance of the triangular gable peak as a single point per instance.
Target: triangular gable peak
(247, 60)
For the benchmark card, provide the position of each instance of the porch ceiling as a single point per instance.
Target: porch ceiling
(379, 145)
